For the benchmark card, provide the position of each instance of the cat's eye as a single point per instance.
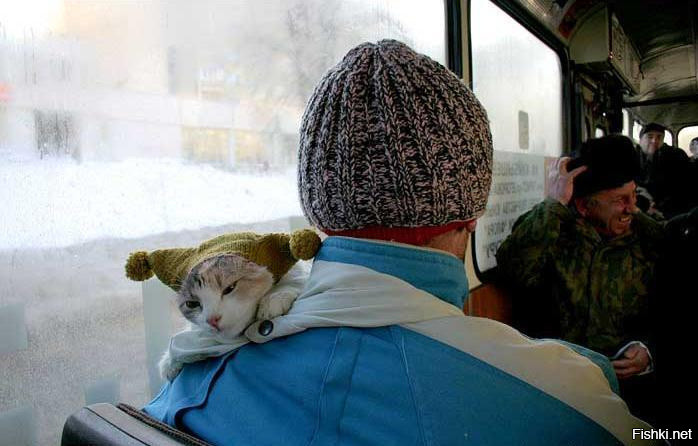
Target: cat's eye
(229, 289)
(191, 304)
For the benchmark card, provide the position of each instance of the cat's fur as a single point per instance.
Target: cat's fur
(226, 294)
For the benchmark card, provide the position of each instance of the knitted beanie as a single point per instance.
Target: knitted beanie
(390, 139)
(278, 252)
(611, 162)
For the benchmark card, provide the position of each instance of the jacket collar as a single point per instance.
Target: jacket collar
(435, 272)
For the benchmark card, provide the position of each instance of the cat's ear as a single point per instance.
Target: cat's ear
(254, 271)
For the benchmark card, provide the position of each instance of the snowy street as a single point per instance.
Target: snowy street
(49, 203)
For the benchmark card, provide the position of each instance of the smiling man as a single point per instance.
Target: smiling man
(582, 262)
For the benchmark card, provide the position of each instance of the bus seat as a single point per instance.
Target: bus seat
(121, 425)
(490, 301)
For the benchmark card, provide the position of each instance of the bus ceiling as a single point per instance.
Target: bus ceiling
(650, 48)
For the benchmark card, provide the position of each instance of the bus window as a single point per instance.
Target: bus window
(502, 54)
(686, 135)
(140, 125)
(668, 138)
(637, 128)
(626, 123)
(518, 79)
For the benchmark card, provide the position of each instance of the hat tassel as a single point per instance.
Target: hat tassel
(304, 244)
(137, 266)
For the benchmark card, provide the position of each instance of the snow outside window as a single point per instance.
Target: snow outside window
(686, 135)
(518, 79)
(626, 123)
(637, 128)
(129, 125)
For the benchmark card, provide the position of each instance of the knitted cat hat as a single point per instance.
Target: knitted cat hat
(278, 252)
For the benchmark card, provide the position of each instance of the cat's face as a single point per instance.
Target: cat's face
(222, 293)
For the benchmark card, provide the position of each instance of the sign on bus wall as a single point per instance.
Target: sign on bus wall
(518, 183)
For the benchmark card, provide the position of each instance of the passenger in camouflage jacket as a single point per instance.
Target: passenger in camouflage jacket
(582, 262)
(596, 289)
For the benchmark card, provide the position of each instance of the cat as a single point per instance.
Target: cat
(225, 294)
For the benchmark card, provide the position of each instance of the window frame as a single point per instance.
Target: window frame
(454, 39)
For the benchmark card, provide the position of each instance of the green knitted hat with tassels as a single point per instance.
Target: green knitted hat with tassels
(278, 252)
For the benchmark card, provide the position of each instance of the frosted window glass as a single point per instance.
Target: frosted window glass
(18, 427)
(105, 390)
(668, 138)
(13, 329)
(637, 128)
(128, 125)
(626, 123)
(158, 327)
(519, 81)
(514, 72)
(686, 135)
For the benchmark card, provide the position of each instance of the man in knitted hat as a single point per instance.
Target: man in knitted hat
(395, 165)
(582, 262)
(665, 172)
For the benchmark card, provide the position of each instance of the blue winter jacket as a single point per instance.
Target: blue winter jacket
(433, 377)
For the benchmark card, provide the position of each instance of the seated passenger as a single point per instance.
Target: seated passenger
(665, 172)
(694, 149)
(395, 165)
(582, 262)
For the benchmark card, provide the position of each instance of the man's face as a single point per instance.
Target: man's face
(651, 141)
(694, 147)
(610, 211)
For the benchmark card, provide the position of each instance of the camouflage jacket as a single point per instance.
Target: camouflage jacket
(571, 283)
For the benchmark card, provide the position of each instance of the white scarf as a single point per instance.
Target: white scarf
(335, 295)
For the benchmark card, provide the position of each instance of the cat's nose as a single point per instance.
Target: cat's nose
(213, 321)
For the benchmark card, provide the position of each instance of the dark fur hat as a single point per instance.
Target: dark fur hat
(611, 162)
(652, 127)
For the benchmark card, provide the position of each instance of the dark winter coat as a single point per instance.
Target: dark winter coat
(668, 176)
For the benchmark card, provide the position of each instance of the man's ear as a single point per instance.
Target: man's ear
(470, 225)
(582, 206)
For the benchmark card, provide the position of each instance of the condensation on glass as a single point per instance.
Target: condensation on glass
(139, 125)
(668, 138)
(519, 81)
(686, 135)
(514, 72)
(626, 123)
(637, 128)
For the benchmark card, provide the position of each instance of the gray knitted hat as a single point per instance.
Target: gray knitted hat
(390, 138)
